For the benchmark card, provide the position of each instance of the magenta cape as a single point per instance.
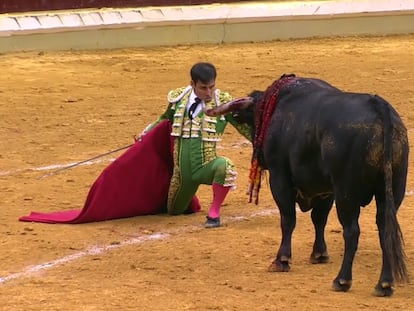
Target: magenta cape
(134, 184)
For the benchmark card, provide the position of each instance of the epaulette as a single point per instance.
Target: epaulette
(177, 94)
(222, 97)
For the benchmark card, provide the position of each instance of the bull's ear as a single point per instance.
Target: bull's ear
(287, 75)
(235, 104)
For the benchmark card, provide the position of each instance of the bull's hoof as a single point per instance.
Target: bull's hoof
(384, 289)
(341, 285)
(316, 258)
(279, 266)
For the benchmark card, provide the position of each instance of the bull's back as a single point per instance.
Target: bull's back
(326, 136)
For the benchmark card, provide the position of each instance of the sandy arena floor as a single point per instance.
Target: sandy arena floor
(62, 107)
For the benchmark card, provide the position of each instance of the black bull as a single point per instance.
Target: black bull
(323, 145)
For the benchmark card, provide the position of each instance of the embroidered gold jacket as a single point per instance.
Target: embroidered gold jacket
(210, 128)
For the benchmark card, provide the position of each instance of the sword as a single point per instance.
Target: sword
(84, 161)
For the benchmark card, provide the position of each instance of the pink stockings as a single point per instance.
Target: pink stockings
(219, 194)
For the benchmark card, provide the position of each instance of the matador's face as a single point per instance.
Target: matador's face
(204, 91)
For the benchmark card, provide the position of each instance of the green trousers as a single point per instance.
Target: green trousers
(190, 172)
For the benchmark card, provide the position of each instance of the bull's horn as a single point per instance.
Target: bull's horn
(235, 104)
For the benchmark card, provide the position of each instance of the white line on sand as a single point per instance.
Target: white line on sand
(96, 250)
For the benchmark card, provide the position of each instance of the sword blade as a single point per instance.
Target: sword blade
(84, 161)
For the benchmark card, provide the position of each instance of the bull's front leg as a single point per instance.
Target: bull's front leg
(284, 254)
(285, 199)
(284, 195)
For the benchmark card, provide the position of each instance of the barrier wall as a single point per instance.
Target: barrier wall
(215, 23)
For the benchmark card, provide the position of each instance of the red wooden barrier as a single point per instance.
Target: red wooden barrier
(15, 6)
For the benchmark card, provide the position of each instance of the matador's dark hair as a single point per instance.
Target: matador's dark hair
(204, 72)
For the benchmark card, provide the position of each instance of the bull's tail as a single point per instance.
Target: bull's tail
(394, 242)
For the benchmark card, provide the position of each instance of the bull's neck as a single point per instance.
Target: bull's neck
(263, 113)
(265, 108)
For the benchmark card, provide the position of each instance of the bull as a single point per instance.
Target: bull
(323, 146)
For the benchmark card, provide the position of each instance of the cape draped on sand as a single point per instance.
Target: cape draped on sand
(135, 184)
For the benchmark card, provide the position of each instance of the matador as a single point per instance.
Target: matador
(195, 137)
